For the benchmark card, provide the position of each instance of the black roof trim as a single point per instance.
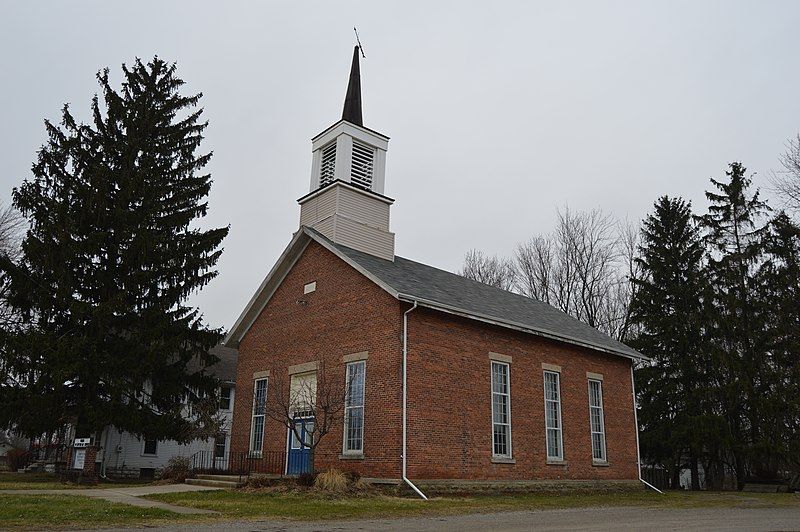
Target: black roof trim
(387, 199)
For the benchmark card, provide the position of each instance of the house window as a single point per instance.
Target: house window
(354, 408)
(224, 398)
(552, 415)
(596, 421)
(150, 446)
(259, 408)
(362, 165)
(220, 443)
(501, 410)
(328, 164)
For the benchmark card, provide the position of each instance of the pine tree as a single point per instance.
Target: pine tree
(734, 232)
(112, 253)
(667, 308)
(779, 283)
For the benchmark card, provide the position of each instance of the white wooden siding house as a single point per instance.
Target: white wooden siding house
(124, 455)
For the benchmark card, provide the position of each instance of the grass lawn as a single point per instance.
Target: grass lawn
(64, 511)
(38, 512)
(310, 506)
(46, 481)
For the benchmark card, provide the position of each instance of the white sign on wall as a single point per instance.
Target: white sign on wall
(82, 442)
(79, 457)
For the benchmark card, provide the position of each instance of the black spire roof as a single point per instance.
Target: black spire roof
(352, 101)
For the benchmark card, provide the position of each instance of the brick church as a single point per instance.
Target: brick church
(444, 378)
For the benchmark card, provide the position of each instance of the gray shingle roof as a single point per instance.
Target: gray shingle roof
(416, 281)
(225, 369)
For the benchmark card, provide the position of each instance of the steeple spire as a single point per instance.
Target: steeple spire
(352, 101)
(346, 202)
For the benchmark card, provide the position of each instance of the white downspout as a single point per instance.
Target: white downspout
(636, 420)
(405, 398)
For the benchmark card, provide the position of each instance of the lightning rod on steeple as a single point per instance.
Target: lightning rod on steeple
(361, 48)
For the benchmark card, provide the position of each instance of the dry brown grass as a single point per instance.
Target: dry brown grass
(332, 481)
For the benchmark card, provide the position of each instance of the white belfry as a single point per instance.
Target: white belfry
(346, 201)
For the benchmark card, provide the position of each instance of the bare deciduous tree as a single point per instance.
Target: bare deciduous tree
(494, 271)
(629, 241)
(535, 268)
(11, 231)
(786, 181)
(583, 268)
(12, 226)
(320, 396)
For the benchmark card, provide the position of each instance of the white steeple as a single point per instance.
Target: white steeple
(346, 201)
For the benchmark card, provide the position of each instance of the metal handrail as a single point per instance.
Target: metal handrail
(244, 464)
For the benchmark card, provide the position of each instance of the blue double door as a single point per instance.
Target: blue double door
(299, 459)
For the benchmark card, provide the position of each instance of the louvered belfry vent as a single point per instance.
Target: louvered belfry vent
(328, 164)
(362, 166)
(346, 201)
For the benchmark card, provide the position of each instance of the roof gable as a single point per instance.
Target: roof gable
(438, 289)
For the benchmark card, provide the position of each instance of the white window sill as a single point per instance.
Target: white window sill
(551, 461)
(503, 460)
(351, 456)
(600, 463)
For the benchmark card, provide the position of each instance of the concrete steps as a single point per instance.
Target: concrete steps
(215, 481)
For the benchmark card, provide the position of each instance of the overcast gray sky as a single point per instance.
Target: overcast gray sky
(499, 113)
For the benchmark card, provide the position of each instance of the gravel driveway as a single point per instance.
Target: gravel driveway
(570, 519)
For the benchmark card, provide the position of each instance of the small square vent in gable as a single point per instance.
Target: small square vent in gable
(362, 166)
(328, 165)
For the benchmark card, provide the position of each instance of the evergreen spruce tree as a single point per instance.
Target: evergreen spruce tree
(667, 308)
(734, 231)
(112, 253)
(779, 283)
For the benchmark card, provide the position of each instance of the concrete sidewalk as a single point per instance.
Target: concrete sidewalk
(128, 495)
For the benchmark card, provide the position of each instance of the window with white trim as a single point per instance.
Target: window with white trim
(597, 423)
(552, 415)
(354, 408)
(259, 409)
(327, 165)
(220, 445)
(224, 398)
(362, 165)
(501, 410)
(150, 447)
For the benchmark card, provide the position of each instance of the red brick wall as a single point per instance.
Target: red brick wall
(449, 383)
(450, 418)
(346, 314)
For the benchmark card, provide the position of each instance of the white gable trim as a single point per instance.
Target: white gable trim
(295, 249)
(266, 289)
(278, 273)
(353, 264)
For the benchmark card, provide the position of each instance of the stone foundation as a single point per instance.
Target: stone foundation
(124, 473)
(443, 487)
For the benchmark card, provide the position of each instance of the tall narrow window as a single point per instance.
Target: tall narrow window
(362, 165)
(327, 164)
(552, 415)
(259, 407)
(501, 410)
(354, 408)
(220, 446)
(224, 398)
(597, 424)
